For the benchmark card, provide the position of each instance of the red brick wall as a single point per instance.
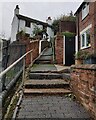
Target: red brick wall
(35, 46)
(59, 49)
(90, 19)
(83, 85)
(67, 26)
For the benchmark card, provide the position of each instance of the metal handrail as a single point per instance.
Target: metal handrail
(12, 65)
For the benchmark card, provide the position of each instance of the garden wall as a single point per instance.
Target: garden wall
(83, 85)
(59, 49)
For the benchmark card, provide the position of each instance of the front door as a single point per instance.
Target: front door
(69, 51)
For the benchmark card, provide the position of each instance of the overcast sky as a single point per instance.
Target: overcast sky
(36, 10)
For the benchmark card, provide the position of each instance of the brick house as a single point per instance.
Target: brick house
(86, 29)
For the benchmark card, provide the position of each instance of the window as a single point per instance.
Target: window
(85, 10)
(27, 24)
(85, 39)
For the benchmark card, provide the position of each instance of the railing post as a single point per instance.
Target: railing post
(23, 74)
(3, 82)
(31, 57)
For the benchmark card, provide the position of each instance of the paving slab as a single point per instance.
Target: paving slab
(43, 67)
(51, 107)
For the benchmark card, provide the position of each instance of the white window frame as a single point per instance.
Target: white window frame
(85, 10)
(84, 32)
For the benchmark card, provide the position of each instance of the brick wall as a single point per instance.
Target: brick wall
(83, 85)
(59, 49)
(67, 26)
(35, 46)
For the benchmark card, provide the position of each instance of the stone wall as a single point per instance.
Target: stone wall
(59, 49)
(83, 85)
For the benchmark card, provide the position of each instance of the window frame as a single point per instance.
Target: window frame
(81, 33)
(85, 10)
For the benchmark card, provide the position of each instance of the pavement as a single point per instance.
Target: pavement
(51, 107)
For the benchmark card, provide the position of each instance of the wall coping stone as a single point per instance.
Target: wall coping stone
(84, 66)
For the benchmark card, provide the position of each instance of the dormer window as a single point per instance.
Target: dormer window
(85, 10)
(27, 24)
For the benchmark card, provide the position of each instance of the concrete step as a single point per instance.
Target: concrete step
(45, 76)
(43, 62)
(45, 57)
(47, 91)
(40, 68)
(56, 83)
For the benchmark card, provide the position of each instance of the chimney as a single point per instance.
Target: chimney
(16, 11)
(49, 20)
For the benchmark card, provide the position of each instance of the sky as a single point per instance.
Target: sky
(36, 10)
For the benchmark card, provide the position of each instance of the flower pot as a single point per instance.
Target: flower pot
(78, 61)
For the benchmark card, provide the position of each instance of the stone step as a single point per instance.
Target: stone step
(57, 83)
(43, 62)
(47, 54)
(45, 76)
(47, 91)
(44, 57)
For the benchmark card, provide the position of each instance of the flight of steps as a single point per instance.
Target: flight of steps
(45, 58)
(46, 83)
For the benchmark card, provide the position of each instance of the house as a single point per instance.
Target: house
(26, 24)
(86, 31)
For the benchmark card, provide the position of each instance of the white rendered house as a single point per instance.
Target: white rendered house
(27, 24)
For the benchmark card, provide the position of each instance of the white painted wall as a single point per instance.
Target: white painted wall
(50, 33)
(14, 28)
(21, 25)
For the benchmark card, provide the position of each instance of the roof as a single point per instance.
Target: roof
(80, 7)
(33, 20)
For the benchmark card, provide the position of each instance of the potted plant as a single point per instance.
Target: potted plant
(84, 57)
(79, 57)
(90, 58)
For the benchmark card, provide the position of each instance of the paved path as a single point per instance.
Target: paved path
(51, 107)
